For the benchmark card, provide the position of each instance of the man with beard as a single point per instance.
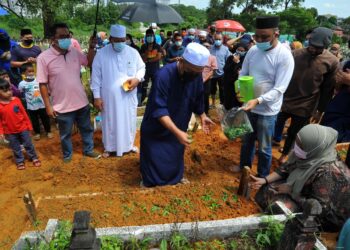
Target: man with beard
(176, 93)
(310, 89)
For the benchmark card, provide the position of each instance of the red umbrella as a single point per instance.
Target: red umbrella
(229, 25)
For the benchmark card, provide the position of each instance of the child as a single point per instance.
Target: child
(35, 104)
(15, 126)
(4, 75)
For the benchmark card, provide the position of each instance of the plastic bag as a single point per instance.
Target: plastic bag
(235, 123)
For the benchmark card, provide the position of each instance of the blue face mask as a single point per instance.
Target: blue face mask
(191, 37)
(218, 42)
(118, 47)
(64, 43)
(149, 39)
(264, 46)
(178, 43)
(241, 53)
(306, 43)
(105, 42)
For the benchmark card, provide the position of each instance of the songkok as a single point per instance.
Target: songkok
(26, 32)
(118, 31)
(196, 54)
(321, 37)
(267, 22)
(202, 33)
(191, 31)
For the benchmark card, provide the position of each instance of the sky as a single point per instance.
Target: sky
(340, 8)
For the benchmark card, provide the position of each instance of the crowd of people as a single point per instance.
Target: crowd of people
(307, 83)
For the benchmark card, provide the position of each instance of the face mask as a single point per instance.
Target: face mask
(264, 46)
(191, 37)
(306, 43)
(118, 47)
(105, 42)
(64, 43)
(301, 154)
(241, 53)
(218, 42)
(190, 76)
(30, 78)
(27, 42)
(150, 39)
(128, 42)
(178, 43)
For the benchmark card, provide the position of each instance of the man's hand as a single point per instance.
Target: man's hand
(2, 137)
(250, 105)
(206, 123)
(183, 138)
(343, 77)
(133, 83)
(98, 103)
(31, 60)
(316, 117)
(50, 112)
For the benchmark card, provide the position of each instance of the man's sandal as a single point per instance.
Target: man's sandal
(37, 163)
(21, 166)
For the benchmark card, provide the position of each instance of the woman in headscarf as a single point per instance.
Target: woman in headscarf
(231, 72)
(313, 170)
(130, 41)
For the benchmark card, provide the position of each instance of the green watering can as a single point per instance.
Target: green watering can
(244, 87)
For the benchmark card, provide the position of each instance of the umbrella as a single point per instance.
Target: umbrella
(151, 12)
(229, 25)
(3, 12)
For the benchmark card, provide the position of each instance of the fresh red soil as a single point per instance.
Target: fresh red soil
(119, 200)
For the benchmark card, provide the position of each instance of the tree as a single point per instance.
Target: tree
(251, 6)
(286, 3)
(219, 10)
(297, 21)
(192, 16)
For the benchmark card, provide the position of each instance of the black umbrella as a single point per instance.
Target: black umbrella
(150, 12)
(96, 16)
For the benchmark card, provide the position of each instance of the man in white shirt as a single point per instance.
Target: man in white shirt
(271, 64)
(116, 71)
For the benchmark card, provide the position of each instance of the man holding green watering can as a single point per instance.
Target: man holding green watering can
(265, 76)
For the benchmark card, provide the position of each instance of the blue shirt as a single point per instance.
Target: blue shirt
(221, 53)
(173, 52)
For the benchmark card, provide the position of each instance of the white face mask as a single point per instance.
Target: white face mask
(301, 154)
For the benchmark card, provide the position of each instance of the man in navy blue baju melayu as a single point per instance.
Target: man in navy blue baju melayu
(177, 91)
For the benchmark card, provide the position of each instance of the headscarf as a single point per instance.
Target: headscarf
(319, 143)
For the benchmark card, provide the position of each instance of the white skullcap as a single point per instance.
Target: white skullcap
(202, 33)
(196, 54)
(154, 25)
(118, 31)
(192, 30)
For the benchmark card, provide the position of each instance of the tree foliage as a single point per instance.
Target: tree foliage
(192, 16)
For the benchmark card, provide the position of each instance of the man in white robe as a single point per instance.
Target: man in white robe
(114, 65)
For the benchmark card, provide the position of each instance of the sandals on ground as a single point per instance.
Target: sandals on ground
(21, 166)
(37, 163)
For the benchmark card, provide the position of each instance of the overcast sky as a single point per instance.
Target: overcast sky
(340, 8)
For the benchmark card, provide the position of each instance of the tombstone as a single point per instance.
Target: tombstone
(83, 236)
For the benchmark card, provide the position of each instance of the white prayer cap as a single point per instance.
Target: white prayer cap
(202, 33)
(196, 54)
(192, 30)
(153, 25)
(118, 31)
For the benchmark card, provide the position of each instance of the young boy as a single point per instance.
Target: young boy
(35, 104)
(4, 75)
(15, 126)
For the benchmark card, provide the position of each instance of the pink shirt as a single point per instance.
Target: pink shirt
(76, 44)
(62, 74)
(211, 66)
